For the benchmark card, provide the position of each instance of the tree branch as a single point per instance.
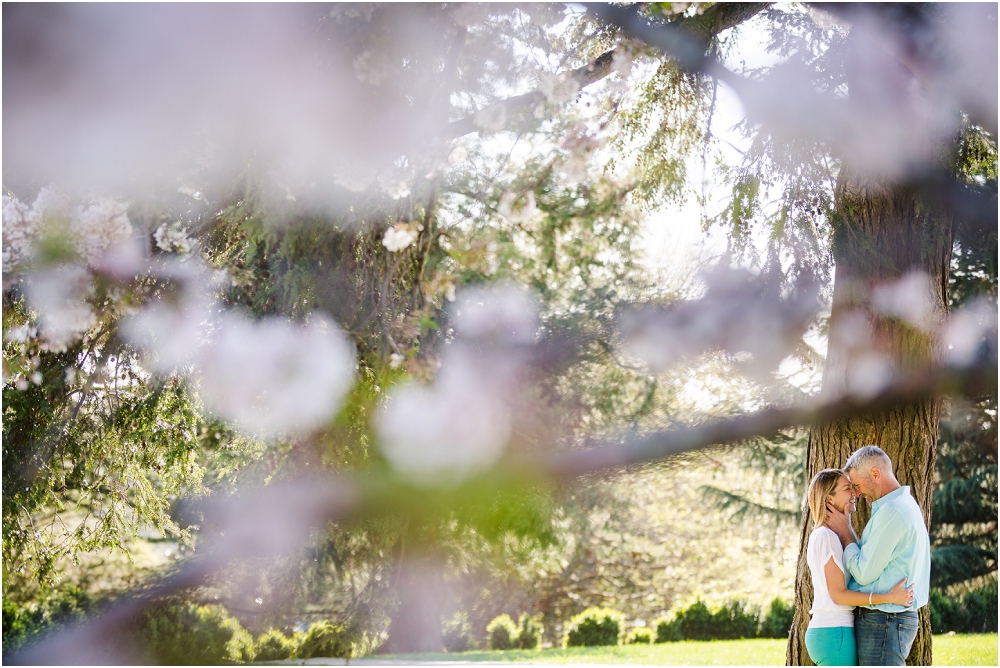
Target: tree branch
(699, 30)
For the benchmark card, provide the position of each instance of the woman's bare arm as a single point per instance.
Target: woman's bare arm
(841, 595)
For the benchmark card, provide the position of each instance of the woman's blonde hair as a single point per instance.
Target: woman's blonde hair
(821, 487)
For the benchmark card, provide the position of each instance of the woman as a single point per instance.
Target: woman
(830, 636)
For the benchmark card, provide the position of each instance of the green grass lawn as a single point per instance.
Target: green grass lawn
(978, 649)
(957, 650)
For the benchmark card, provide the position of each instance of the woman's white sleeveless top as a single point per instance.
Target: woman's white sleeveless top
(823, 544)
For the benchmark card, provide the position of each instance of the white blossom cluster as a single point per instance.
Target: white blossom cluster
(173, 237)
(60, 295)
(173, 329)
(95, 227)
(909, 298)
(398, 188)
(20, 225)
(99, 226)
(580, 145)
(267, 378)
(461, 423)
(98, 230)
(867, 370)
(967, 331)
(400, 236)
(271, 377)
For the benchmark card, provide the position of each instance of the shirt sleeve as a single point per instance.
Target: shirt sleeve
(829, 546)
(867, 562)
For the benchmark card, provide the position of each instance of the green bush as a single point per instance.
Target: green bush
(19, 625)
(696, 622)
(273, 645)
(501, 632)
(976, 612)
(595, 626)
(22, 624)
(733, 620)
(668, 629)
(529, 632)
(191, 634)
(640, 636)
(778, 620)
(946, 614)
(457, 634)
(325, 640)
(981, 609)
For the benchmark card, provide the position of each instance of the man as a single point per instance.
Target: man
(893, 546)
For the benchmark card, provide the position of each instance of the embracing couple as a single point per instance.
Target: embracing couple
(865, 592)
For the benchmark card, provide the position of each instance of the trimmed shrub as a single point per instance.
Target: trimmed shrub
(595, 626)
(668, 629)
(734, 619)
(696, 622)
(501, 632)
(642, 635)
(981, 609)
(529, 632)
(190, 634)
(457, 634)
(273, 645)
(946, 614)
(778, 620)
(324, 639)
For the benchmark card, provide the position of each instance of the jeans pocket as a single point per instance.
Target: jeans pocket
(907, 634)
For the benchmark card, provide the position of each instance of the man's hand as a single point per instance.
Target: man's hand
(840, 522)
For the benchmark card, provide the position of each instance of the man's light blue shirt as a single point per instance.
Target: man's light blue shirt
(893, 546)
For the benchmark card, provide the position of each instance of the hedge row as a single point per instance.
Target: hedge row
(188, 634)
(976, 612)
(733, 619)
(604, 626)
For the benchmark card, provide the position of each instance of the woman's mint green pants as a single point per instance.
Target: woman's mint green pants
(833, 646)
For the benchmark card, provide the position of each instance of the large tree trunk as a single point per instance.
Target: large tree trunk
(882, 231)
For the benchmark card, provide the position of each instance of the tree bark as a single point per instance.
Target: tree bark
(881, 231)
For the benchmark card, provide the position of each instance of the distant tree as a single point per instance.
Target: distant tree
(964, 529)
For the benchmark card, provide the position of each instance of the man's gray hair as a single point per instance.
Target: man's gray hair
(867, 458)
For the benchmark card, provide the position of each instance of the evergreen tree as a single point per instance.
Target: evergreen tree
(964, 525)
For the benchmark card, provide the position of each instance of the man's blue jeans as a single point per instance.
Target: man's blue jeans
(884, 639)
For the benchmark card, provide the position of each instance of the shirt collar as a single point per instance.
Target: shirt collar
(895, 494)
